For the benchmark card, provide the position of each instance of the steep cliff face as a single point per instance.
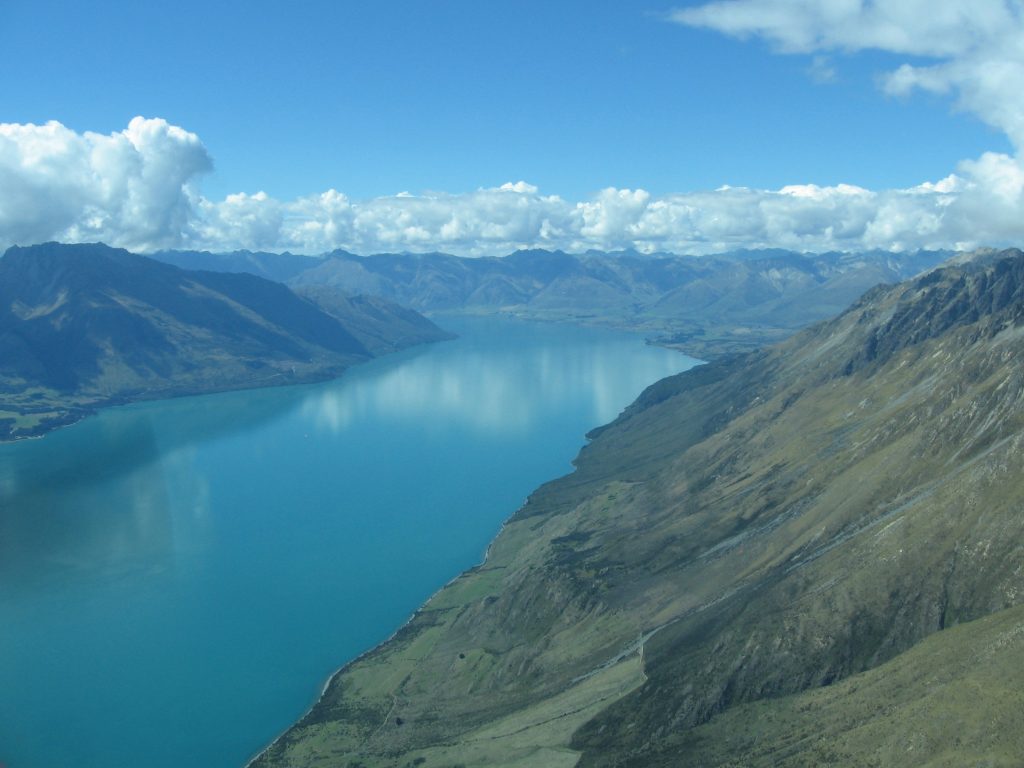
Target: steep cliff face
(757, 529)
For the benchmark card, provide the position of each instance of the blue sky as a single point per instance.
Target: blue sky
(377, 98)
(374, 99)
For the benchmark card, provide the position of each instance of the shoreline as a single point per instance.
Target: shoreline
(690, 341)
(88, 410)
(486, 554)
(334, 677)
(340, 670)
(332, 373)
(93, 409)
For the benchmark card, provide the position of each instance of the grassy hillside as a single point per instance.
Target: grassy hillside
(765, 528)
(954, 699)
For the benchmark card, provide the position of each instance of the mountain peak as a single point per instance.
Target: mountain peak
(986, 292)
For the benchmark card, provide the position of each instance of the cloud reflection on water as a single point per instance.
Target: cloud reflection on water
(76, 519)
(130, 489)
(498, 393)
(179, 545)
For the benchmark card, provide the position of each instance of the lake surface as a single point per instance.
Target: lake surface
(178, 578)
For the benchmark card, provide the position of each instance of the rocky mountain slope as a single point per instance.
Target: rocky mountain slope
(805, 555)
(83, 326)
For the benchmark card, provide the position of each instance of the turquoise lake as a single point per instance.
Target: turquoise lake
(179, 578)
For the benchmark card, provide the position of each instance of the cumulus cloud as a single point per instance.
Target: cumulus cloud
(134, 187)
(138, 188)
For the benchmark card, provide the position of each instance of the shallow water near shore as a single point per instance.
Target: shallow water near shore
(178, 578)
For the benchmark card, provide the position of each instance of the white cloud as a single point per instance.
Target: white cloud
(917, 27)
(822, 71)
(255, 220)
(973, 49)
(138, 189)
(976, 47)
(979, 205)
(134, 187)
(613, 215)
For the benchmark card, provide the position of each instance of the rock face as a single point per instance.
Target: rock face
(87, 325)
(747, 567)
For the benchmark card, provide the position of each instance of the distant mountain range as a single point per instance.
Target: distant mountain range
(706, 305)
(804, 555)
(83, 326)
(272, 266)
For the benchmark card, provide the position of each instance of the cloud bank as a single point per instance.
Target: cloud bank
(138, 188)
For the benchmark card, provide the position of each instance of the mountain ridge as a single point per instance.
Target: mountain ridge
(83, 326)
(765, 526)
(707, 305)
(704, 305)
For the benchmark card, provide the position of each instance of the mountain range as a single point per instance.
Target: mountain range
(705, 305)
(82, 326)
(280, 267)
(803, 555)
